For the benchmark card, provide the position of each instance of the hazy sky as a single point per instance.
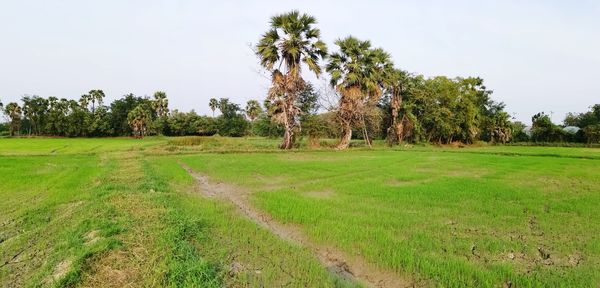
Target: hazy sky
(535, 55)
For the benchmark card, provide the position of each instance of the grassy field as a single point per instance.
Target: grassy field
(123, 212)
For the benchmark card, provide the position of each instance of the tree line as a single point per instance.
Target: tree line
(377, 99)
(369, 98)
(129, 115)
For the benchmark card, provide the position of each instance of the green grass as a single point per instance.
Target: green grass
(572, 152)
(117, 218)
(423, 212)
(60, 146)
(89, 212)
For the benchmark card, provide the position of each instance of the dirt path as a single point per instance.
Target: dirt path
(336, 262)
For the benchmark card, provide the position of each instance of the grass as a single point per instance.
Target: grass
(460, 219)
(61, 146)
(118, 212)
(119, 218)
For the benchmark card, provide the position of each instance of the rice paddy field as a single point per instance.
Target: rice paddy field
(236, 212)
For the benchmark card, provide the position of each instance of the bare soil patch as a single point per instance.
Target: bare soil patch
(92, 237)
(60, 270)
(337, 262)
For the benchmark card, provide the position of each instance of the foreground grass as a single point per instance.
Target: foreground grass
(120, 219)
(111, 212)
(459, 219)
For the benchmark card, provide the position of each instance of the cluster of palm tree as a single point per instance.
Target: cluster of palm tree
(87, 116)
(364, 78)
(359, 73)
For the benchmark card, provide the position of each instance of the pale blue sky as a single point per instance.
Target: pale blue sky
(535, 55)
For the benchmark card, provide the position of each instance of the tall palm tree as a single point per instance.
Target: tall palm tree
(160, 103)
(291, 41)
(96, 96)
(13, 111)
(253, 109)
(357, 73)
(395, 83)
(84, 101)
(213, 104)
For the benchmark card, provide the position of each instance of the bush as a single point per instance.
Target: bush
(263, 126)
(234, 125)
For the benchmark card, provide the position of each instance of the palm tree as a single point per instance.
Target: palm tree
(357, 73)
(96, 96)
(13, 111)
(138, 119)
(253, 109)
(84, 101)
(160, 104)
(395, 83)
(291, 41)
(213, 104)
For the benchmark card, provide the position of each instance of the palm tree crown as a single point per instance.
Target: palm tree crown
(291, 40)
(160, 103)
(213, 104)
(358, 66)
(253, 109)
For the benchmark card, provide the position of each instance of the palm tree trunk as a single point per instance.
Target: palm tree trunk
(366, 133)
(346, 136)
(288, 135)
(395, 127)
(289, 124)
(287, 142)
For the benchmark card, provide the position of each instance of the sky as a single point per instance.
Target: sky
(535, 55)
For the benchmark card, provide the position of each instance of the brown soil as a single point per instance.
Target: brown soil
(60, 270)
(337, 262)
(92, 237)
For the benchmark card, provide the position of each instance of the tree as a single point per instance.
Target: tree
(138, 119)
(13, 111)
(307, 100)
(583, 120)
(213, 104)
(180, 124)
(56, 123)
(96, 96)
(253, 109)
(395, 83)
(231, 122)
(35, 110)
(592, 133)
(160, 104)
(227, 108)
(99, 123)
(502, 128)
(357, 73)
(119, 111)
(543, 130)
(84, 101)
(291, 41)
(518, 132)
